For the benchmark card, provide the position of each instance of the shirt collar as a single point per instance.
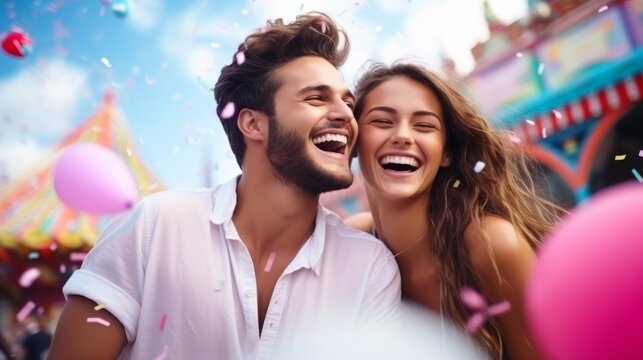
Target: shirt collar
(309, 256)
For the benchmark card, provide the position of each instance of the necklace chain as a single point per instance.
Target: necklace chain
(374, 233)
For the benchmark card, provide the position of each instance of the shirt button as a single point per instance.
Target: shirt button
(248, 293)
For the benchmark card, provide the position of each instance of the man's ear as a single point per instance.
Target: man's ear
(251, 124)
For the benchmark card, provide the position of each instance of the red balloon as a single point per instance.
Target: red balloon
(17, 43)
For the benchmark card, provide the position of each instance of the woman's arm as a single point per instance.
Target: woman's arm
(502, 264)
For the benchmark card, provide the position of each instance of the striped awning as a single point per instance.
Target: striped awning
(616, 96)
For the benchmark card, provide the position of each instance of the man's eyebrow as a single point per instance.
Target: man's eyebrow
(324, 88)
(392, 111)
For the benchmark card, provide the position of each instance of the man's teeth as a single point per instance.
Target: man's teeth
(330, 137)
(403, 160)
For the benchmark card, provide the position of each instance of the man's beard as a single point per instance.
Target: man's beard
(288, 156)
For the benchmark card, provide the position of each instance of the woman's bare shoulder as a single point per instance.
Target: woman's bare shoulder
(360, 221)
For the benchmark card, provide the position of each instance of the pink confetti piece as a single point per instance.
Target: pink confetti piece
(28, 277)
(25, 311)
(479, 166)
(98, 320)
(228, 111)
(603, 8)
(476, 302)
(240, 57)
(77, 256)
(514, 138)
(640, 153)
(270, 261)
(162, 355)
(53, 246)
(162, 322)
(323, 27)
(62, 268)
(519, 55)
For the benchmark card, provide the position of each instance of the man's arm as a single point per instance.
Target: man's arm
(76, 338)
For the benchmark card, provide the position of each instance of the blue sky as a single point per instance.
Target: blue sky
(162, 59)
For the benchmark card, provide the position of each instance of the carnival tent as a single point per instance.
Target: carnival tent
(36, 229)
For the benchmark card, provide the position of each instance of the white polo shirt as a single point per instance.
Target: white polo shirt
(176, 274)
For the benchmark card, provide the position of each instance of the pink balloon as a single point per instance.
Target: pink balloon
(92, 178)
(584, 299)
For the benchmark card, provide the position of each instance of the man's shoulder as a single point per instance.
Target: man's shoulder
(340, 232)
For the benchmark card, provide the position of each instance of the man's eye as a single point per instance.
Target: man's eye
(350, 105)
(314, 98)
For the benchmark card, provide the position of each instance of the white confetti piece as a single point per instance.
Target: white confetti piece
(105, 62)
(99, 307)
(128, 151)
(530, 122)
(33, 255)
(456, 184)
(479, 166)
(97, 320)
(28, 277)
(602, 8)
(228, 110)
(544, 133)
(557, 114)
(519, 55)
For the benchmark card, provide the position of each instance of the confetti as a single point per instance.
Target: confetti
(176, 149)
(544, 133)
(53, 246)
(479, 166)
(637, 175)
(241, 57)
(640, 153)
(97, 320)
(162, 355)
(541, 68)
(25, 311)
(162, 323)
(323, 27)
(33, 255)
(270, 261)
(557, 114)
(456, 183)
(62, 268)
(105, 62)
(128, 151)
(228, 111)
(514, 138)
(530, 122)
(99, 307)
(620, 157)
(603, 8)
(28, 277)
(475, 302)
(77, 256)
(519, 55)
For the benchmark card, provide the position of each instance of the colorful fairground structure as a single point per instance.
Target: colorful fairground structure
(39, 232)
(568, 80)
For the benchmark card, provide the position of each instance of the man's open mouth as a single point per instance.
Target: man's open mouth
(335, 143)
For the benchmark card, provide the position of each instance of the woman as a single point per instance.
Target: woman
(453, 199)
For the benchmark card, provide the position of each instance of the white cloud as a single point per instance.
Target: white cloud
(41, 99)
(145, 14)
(17, 156)
(38, 101)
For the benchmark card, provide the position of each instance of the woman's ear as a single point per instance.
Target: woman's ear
(446, 159)
(250, 124)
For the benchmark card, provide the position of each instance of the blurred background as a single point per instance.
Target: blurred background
(566, 76)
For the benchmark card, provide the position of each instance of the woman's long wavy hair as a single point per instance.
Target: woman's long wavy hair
(507, 187)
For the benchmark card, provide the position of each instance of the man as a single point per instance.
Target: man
(245, 270)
